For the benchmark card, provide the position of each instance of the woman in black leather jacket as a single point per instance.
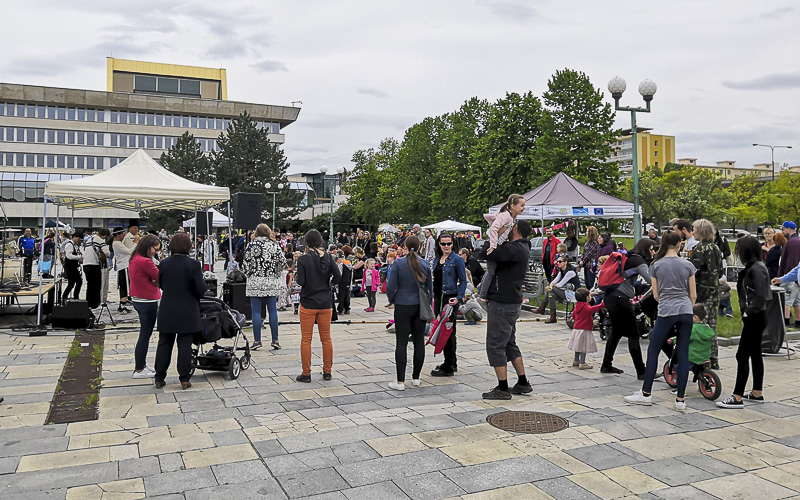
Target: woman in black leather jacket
(754, 291)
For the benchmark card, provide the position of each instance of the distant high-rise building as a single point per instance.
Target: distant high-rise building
(653, 150)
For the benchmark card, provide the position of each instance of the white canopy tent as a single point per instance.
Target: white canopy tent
(219, 220)
(451, 225)
(137, 183)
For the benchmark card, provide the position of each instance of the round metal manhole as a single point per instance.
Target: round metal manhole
(528, 422)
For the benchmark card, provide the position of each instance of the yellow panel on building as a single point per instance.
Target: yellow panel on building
(120, 71)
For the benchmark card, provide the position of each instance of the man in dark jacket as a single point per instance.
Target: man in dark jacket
(504, 301)
(473, 266)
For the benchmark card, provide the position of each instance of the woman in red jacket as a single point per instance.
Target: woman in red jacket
(549, 253)
(144, 292)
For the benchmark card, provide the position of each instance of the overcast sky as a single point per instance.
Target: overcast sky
(728, 72)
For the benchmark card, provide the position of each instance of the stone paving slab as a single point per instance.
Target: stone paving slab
(266, 436)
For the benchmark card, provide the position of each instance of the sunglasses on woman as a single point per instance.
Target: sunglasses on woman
(447, 244)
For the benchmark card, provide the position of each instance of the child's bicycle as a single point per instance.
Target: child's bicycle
(708, 381)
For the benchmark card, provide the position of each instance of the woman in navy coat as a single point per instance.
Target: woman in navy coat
(182, 286)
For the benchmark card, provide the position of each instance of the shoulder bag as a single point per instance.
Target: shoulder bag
(425, 307)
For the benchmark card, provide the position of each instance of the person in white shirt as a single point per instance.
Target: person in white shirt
(131, 238)
(122, 256)
(95, 261)
(72, 266)
(685, 229)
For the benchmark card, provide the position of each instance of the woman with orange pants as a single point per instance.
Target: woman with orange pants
(317, 274)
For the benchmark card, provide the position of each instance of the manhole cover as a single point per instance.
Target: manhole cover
(528, 422)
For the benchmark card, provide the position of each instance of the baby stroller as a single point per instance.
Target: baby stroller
(218, 321)
(645, 309)
(708, 381)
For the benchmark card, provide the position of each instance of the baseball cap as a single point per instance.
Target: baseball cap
(789, 225)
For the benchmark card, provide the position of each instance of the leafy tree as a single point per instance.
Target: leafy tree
(739, 201)
(781, 198)
(653, 196)
(247, 161)
(370, 184)
(693, 193)
(503, 161)
(577, 132)
(416, 159)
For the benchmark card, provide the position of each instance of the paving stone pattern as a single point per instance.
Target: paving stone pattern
(266, 436)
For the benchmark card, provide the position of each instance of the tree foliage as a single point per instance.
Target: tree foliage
(459, 164)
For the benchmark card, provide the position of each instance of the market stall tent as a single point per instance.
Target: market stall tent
(563, 197)
(451, 225)
(137, 183)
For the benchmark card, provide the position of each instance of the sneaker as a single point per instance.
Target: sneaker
(441, 373)
(151, 370)
(680, 406)
(497, 393)
(730, 402)
(326, 376)
(585, 366)
(397, 386)
(255, 345)
(521, 389)
(576, 364)
(729, 315)
(143, 374)
(304, 378)
(610, 369)
(638, 398)
(276, 345)
(674, 391)
(416, 382)
(123, 310)
(715, 364)
(756, 399)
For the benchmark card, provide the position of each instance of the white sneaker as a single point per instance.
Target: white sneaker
(680, 406)
(151, 371)
(638, 398)
(416, 382)
(143, 374)
(397, 386)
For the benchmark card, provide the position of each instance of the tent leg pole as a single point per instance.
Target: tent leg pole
(41, 256)
(72, 221)
(54, 265)
(230, 239)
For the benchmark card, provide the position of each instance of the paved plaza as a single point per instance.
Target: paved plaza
(267, 436)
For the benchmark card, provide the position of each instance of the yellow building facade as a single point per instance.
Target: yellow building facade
(124, 75)
(652, 150)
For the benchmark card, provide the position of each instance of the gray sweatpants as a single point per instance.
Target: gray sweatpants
(501, 330)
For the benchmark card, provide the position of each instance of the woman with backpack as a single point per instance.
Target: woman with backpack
(673, 281)
(317, 273)
(408, 274)
(617, 279)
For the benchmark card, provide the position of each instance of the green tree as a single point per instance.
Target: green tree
(739, 204)
(417, 158)
(371, 184)
(693, 193)
(247, 161)
(577, 132)
(503, 160)
(781, 198)
(653, 196)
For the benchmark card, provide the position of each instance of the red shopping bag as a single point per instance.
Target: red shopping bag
(441, 328)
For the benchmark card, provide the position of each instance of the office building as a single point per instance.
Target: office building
(51, 133)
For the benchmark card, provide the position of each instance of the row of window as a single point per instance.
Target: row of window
(166, 85)
(28, 187)
(79, 162)
(80, 138)
(126, 117)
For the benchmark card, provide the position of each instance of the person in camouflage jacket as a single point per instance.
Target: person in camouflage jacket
(707, 259)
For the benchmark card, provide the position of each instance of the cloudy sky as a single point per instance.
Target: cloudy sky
(728, 72)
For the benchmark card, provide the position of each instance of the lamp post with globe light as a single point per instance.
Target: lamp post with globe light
(647, 89)
(324, 170)
(772, 149)
(273, 193)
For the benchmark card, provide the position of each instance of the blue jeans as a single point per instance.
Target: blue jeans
(661, 332)
(272, 310)
(725, 307)
(589, 277)
(148, 312)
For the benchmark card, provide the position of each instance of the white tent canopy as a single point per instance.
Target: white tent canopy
(219, 220)
(451, 225)
(137, 183)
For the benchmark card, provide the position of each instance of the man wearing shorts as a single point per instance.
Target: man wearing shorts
(503, 304)
(122, 256)
(790, 257)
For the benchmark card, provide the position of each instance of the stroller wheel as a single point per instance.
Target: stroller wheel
(245, 361)
(670, 377)
(194, 365)
(235, 368)
(709, 384)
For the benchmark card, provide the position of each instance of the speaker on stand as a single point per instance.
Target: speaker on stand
(204, 223)
(246, 210)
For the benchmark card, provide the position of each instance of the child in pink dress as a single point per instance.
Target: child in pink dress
(581, 340)
(500, 228)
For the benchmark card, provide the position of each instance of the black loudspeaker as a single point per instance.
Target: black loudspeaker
(246, 210)
(204, 222)
(233, 294)
(75, 314)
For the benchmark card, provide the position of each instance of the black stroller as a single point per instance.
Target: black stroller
(219, 321)
(645, 307)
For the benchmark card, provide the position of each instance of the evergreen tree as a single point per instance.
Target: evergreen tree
(247, 161)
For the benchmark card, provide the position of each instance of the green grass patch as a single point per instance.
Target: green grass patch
(97, 355)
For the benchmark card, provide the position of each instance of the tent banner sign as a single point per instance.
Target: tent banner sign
(550, 211)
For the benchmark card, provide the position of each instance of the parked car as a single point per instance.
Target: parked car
(536, 248)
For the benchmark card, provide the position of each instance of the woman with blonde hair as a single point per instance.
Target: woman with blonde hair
(707, 260)
(588, 260)
(263, 263)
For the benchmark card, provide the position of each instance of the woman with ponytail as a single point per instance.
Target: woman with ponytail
(402, 290)
(316, 274)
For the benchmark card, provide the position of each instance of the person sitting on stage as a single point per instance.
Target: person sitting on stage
(27, 249)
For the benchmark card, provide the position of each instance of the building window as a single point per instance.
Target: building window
(656, 164)
(168, 85)
(190, 87)
(143, 83)
(655, 153)
(655, 143)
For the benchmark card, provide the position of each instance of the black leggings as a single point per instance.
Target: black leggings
(73, 271)
(623, 324)
(371, 299)
(407, 322)
(749, 351)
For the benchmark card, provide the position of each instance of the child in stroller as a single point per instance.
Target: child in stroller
(699, 353)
